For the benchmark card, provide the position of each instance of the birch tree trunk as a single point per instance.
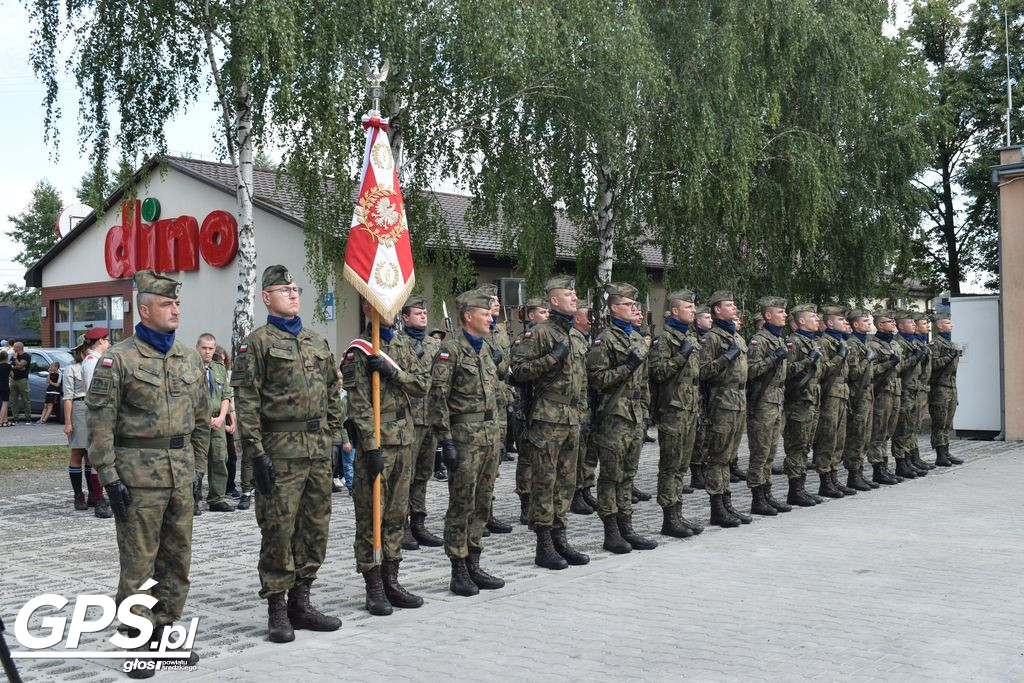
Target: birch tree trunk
(244, 305)
(606, 205)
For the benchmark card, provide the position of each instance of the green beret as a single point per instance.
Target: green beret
(415, 301)
(855, 313)
(701, 310)
(623, 289)
(474, 298)
(149, 282)
(833, 310)
(560, 282)
(803, 308)
(534, 303)
(276, 275)
(936, 317)
(771, 302)
(682, 295)
(902, 315)
(720, 296)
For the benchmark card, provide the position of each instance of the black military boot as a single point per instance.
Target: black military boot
(696, 476)
(670, 526)
(578, 505)
(496, 526)
(461, 583)
(376, 601)
(103, 510)
(881, 475)
(720, 516)
(803, 484)
(798, 495)
(903, 469)
(955, 461)
(826, 487)
(942, 456)
(870, 482)
(421, 534)
(631, 537)
(482, 579)
(613, 540)
(588, 498)
(394, 591)
(546, 555)
(919, 463)
(524, 509)
(777, 504)
(736, 475)
(562, 547)
(692, 526)
(744, 518)
(279, 627)
(640, 496)
(409, 541)
(843, 488)
(855, 480)
(759, 505)
(303, 615)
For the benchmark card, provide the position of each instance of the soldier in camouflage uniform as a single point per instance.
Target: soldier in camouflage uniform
(923, 323)
(830, 435)
(215, 376)
(536, 313)
(500, 346)
(802, 401)
(675, 379)
(149, 432)
(861, 367)
(414, 325)
(554, 367)
(701, 326)
(723, 367)
(583, 501)
(766, 385)
(402, 375)
(887, 390)
(913, 353)
(464, 400)
(942, 401)
(617, 371)
(289, 413)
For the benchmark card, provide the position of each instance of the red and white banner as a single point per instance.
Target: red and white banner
(378, 257)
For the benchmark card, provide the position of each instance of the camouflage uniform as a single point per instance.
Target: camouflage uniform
(217, 467)
(586, 461)
(700, 443)
(149, 428)
(727, 407)
(942, 399)
(830, 437)
(525, 458)
(766, 383)
(397, 441)
(862, 397)
(887, 390)
(802, 401)
(904, 439)
(424, 441)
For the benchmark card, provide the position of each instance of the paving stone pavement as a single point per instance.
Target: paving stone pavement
(909, 582)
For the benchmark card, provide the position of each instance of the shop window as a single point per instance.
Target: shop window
(116, 308)
(62, 339)
(90, 308)
(62, 311)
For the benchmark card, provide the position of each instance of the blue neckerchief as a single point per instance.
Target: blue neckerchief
(909, 336)
(558, 315)
(476, 342)
(863, 336)
(623, 325)
(774, 329)
(835, 334)
(884, 336)
(727, 325)
(494, 325)
(676, 325)
(290, 325)
(805, 333)
(923, 338)
(946, 335)
(161, 341)
(818, 334)
(418, 335)
(701, 332)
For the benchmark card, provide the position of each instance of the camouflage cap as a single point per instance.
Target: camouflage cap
(474, 298)
(488, 288)
(276, 275)
(883, 313)
(702, 310)
(803, 308)
(535, 303)
(682, 295)
(623, 289)
(833, 310)
(921, 315)
(582, 305)
(854, 313)
(902, 315)
(743, 314)
(415, 301)
(936, 317)
(560, 282)
(438, 330)
(149, 282)
(771, 302)
(757, 317)
(720, 296)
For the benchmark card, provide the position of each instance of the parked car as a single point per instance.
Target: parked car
(39, 368)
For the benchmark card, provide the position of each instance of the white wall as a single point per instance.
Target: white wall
(976, 327)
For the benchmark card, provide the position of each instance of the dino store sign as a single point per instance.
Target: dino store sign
(144, 240)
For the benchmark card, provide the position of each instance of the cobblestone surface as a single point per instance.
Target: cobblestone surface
(907, 582)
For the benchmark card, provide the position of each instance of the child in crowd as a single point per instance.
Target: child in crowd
(53, 392)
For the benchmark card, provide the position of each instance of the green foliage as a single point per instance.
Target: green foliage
(35, 228)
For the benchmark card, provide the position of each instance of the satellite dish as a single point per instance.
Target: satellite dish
(71, 216)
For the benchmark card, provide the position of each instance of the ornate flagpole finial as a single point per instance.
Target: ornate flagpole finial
(376, 75)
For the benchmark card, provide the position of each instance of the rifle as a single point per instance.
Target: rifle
(6, 659)
(754, 396)
(447, 320)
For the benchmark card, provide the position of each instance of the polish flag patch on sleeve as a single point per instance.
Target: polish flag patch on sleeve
(242, 348)
(350, 355)
(108, 362)
(444, 355)
(753, 342)
(598, 342)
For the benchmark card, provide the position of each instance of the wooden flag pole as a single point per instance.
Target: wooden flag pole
(375, 336)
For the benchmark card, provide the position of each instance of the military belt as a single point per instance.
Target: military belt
(838, 380)
(78, 398)
(158, 442)
(462, 418)
(564, 400)
(314, 425)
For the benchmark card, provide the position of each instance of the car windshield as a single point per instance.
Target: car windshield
(62, 357)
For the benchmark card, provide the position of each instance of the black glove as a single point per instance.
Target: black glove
(374, 464)
(263, 474)
(496, 355)
(894, 358)
(560, 351)
(686, 349)
(814, 355)
(197, 488)
(449, 456)
(843, 350)
(870, 354)
(634, 360)
(919, 353)
(731, 353)
(378, 364)
(120, 498)
(780, 354)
